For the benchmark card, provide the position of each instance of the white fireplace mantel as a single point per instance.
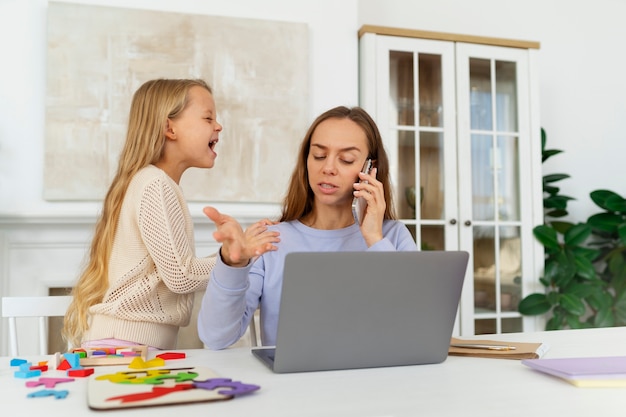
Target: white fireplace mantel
(40, 252)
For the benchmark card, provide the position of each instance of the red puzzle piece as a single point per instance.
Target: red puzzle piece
(172, 355)
(80, 372)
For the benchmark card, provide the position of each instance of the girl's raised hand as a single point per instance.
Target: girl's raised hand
(239, 247)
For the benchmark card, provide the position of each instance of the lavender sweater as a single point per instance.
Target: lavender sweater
(234, 294)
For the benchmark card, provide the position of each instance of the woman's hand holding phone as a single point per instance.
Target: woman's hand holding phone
(369, 191)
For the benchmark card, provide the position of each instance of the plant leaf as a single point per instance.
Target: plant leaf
(555, 177)
(546, 236)
(557, 213)
(577, 235)
(585, 268)
(556, 322)
(606, 222)
(615, 203)
(534, 304)
(621, 232)
(572, 304)
(550, 152)
(620, 308)
(574, 322)
(604, 318)
(599, 197)
(561, 227)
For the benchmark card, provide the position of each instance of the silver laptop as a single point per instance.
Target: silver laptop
(346, 310)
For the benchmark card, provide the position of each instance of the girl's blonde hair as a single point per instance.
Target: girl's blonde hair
(152, 105)
(299, 199)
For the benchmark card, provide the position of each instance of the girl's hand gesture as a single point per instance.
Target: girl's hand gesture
(239, 247)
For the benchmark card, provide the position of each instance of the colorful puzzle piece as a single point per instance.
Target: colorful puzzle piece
(48, 393)
(48, 382)
(27, 374)
(73, 359)
(172, 355)
(162, 386)
(139, 363)
(17, 361)
(155, 393)
(235, 387)
(150, 377)
(83, 372)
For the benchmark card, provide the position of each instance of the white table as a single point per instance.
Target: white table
(460, 386)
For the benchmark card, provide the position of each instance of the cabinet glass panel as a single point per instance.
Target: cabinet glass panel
(401, 88)
(480, 94)
(490, 326)
(406, 196)
(510, 267)
(430, 90)
(507, 173)
(497, 268)
(431, 173)
(484, 268)
(432, 238)
(483, 195)
(506, 96)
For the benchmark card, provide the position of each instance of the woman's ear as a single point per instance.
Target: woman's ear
(169, 130)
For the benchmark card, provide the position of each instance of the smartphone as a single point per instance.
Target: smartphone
(359, 203)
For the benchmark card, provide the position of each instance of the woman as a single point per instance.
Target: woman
(316, 216)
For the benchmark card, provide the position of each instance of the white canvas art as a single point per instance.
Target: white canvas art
(98, 56)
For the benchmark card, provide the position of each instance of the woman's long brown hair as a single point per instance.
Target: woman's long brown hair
(299, 199)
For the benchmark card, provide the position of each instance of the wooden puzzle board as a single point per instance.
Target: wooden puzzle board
(160, 386)
(94, 360)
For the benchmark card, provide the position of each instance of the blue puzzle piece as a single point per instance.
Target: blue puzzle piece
(27, 374)
(73, 359)
(25, 366)
(49, 393)
(17, 361)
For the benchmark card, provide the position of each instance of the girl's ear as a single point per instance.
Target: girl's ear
(169, 130)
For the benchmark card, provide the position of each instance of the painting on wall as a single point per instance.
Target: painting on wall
(258, 70)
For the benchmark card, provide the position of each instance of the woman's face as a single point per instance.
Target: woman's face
(337, 153)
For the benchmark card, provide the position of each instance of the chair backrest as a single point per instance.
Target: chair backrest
(41, 307)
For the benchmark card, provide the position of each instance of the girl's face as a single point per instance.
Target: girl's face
(337, 153)
(196, 130)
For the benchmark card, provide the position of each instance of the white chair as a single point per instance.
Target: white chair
(41, 307)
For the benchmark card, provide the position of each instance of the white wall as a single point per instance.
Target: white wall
(582, 74)
(581, 60)
(42, 243)
(333, 75)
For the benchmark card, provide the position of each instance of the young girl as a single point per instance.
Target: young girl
(138, 284)
(316, 216)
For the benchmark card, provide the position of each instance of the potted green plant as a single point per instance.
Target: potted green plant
(585, 263)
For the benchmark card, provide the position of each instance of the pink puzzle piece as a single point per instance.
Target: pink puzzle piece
(48, 382)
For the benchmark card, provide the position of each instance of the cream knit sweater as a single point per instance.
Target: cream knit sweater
(153, 270)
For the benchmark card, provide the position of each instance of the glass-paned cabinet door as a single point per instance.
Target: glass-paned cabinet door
(494, 139)
(458, 125)
(417, 123)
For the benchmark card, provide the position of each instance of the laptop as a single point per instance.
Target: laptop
(348, 310)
